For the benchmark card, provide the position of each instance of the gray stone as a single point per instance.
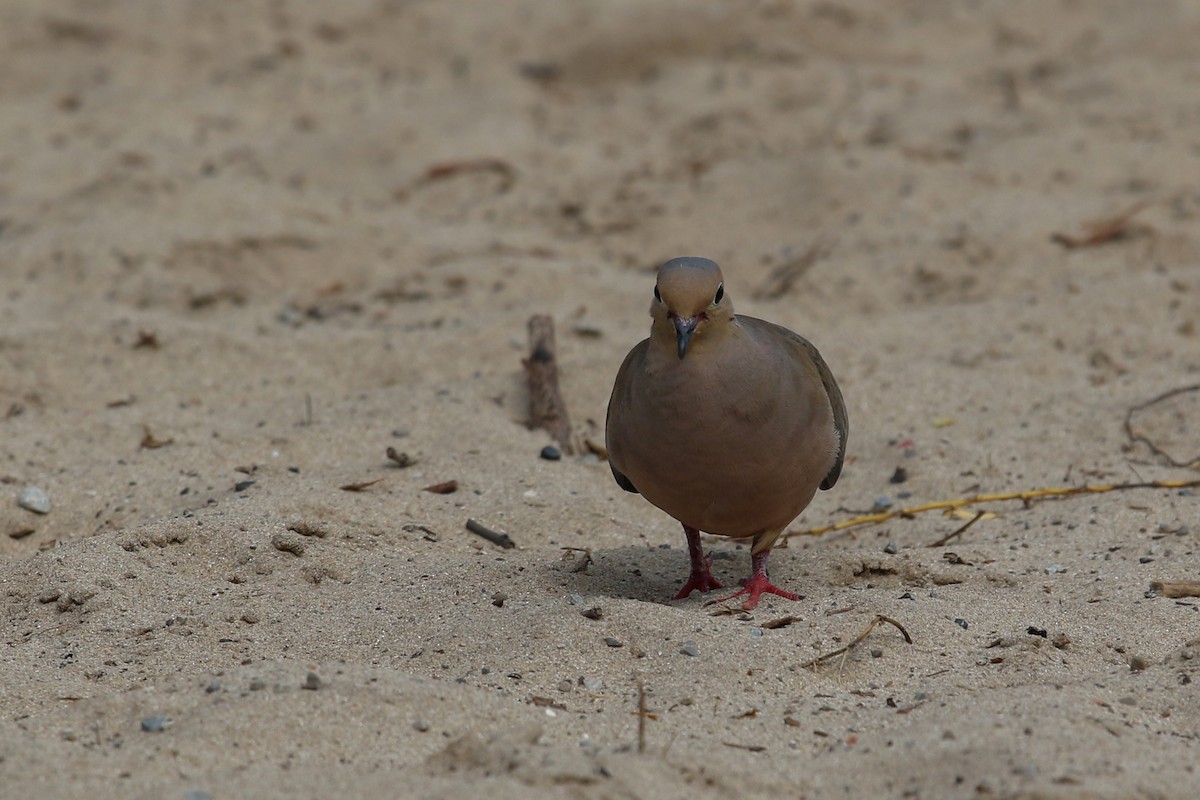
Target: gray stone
(34, 499)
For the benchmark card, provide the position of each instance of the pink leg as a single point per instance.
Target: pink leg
(701, 577)
(758, 584)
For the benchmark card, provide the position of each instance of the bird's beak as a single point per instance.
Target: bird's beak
(684, 328)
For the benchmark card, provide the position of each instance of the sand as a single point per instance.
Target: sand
(247, 247)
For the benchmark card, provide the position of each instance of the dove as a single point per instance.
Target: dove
(727, 423)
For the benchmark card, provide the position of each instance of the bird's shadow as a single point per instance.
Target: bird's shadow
(655, 575)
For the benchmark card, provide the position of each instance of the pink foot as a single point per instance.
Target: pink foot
(756, 587)
(758, 584)
(701, 576)
(701, 579)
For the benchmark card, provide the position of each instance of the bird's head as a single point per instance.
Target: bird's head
(690, 301)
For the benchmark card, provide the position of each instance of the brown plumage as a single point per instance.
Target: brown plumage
(727, 423)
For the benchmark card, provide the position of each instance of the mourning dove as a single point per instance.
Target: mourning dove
(727, 423)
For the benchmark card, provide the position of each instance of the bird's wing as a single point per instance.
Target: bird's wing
(620, 396)
(840, 420)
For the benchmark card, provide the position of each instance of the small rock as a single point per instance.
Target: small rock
(257, 685)
(593, 684)
(891, 548)
(587, 330)
(312, 682)
(1137, 663)
(595, 612)
(242, 486)
(876, 652)
(575, 599)
(31, 498)
(882, 503)
(156, 724)
(1035, 631)
(551, 453)
(689, 648)
(1054, 569)
(899, 476)
(960, 622)
(1145, 559)
(611, 642)
(756, 632)
(498, 599)
(421, 725)
(565, 685)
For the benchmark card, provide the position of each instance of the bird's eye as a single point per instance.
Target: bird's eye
(720, 293)
(657, 296)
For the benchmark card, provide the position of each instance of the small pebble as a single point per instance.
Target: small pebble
(212, 687)
(1137, 663)
(312, 682)
(498, 599)
(890, 548)
(551, 453)
(257, 685)
(876, 652)
(156, 724)
(882, 503)
(1035, 631)
(242, 486)
(595, 612)
(611, 642)
(899, 476)
(421, 725)
(31, 498)
(1145, 559)
(756, 631)
(1054, 569)
(565, 685)
(593, 684)
(689, 648)
(960, 622)
(575, 599)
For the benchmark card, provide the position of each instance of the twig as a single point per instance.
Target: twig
(151, 442)
(495, 537)
(1139, 437)
(641, 715)
(978, 516)
(784, 276)
(1176, 588)
(546, 407)
(858, 640)
(447, 169)
(360, 486)
(1026, 497)
(1101, 231)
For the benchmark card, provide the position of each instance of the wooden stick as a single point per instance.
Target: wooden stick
(1176, 588)
(495, 537)
(1026, 497)
(1137, 436)
(958, 532)
(546, 407)
(858, 640)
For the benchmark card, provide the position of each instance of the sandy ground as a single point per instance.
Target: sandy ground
(246, 247)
